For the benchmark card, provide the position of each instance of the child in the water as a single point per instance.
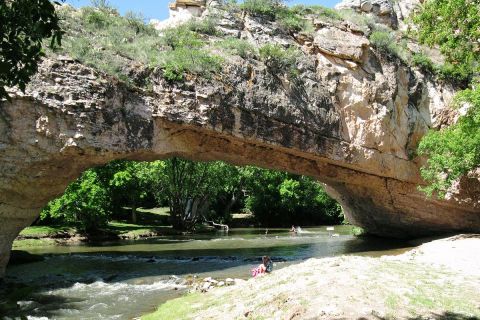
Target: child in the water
(265, 267)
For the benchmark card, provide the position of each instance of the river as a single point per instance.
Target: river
(123, 280)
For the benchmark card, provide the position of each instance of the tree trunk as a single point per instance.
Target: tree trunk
(134, 213)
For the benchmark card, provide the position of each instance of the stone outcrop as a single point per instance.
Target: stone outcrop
(392, 13)
(352, 119)
(180, 12)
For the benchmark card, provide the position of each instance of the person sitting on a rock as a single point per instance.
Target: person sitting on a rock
(265, 267)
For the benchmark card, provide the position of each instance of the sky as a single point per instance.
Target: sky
(158, 9)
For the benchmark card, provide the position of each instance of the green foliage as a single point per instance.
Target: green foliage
(193, 191)
(190, 187)
(181, 37)
(385, 42)
(85, 203)
(422, 61)
(21, 39)
(317, 11)
(455, 150)
(100, 38)
(186, 54)
(206, 26)
(282, 199)
(268, 8)
(133, 180)
(188, 60)
(240, 47)
(277, 58)
(454, 25)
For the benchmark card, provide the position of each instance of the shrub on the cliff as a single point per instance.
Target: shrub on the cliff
(454, 26)
(455, 150)
(187, 60)
(240, 47)
(206, 26)
(106, 41)
(294, 20)
(185, 54)
(277, 57)
(385, 42)
(181, 37)
(422, 61)
(268, 8)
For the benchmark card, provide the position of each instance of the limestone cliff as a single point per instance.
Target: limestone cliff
(351, 118)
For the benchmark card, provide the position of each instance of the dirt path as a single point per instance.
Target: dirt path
(438, 280)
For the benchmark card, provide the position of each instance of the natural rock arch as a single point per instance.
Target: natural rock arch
(350, 119)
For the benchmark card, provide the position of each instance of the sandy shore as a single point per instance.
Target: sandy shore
(437, 280)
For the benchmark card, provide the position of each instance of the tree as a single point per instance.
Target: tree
(133, 181)
(453, 25)
(85, 203)
(24, 25)
(190, 187)
(282, 199)
(455, 150)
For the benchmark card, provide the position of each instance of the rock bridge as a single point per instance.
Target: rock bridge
(352, 120)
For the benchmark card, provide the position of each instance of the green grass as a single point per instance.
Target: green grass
(25, 243)
(102, 39)
(235, 46)
(180, 308)
(44, 231)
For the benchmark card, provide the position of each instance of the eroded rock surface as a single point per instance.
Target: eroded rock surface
(351, 118)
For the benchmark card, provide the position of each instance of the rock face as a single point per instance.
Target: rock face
(180, 12)
(352, 119)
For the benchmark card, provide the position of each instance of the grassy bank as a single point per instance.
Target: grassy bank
(415, 285)
(151, 222)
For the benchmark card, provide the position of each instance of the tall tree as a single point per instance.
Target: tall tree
(134, 180)
(190, 187)
(85, 203)
(23, 27)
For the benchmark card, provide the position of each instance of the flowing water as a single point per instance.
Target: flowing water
(123, 280)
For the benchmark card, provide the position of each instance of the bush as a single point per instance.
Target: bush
(452, 25)
(108, 42)
(423, 62)
(240, 47)
(276, 57)
(268, 8)
(181, 37)
(292, 21)
(386, 43)
(282, 199)
(85, 203)
(321, 11)
(187, 60)
(455, 150)
(206, 26)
